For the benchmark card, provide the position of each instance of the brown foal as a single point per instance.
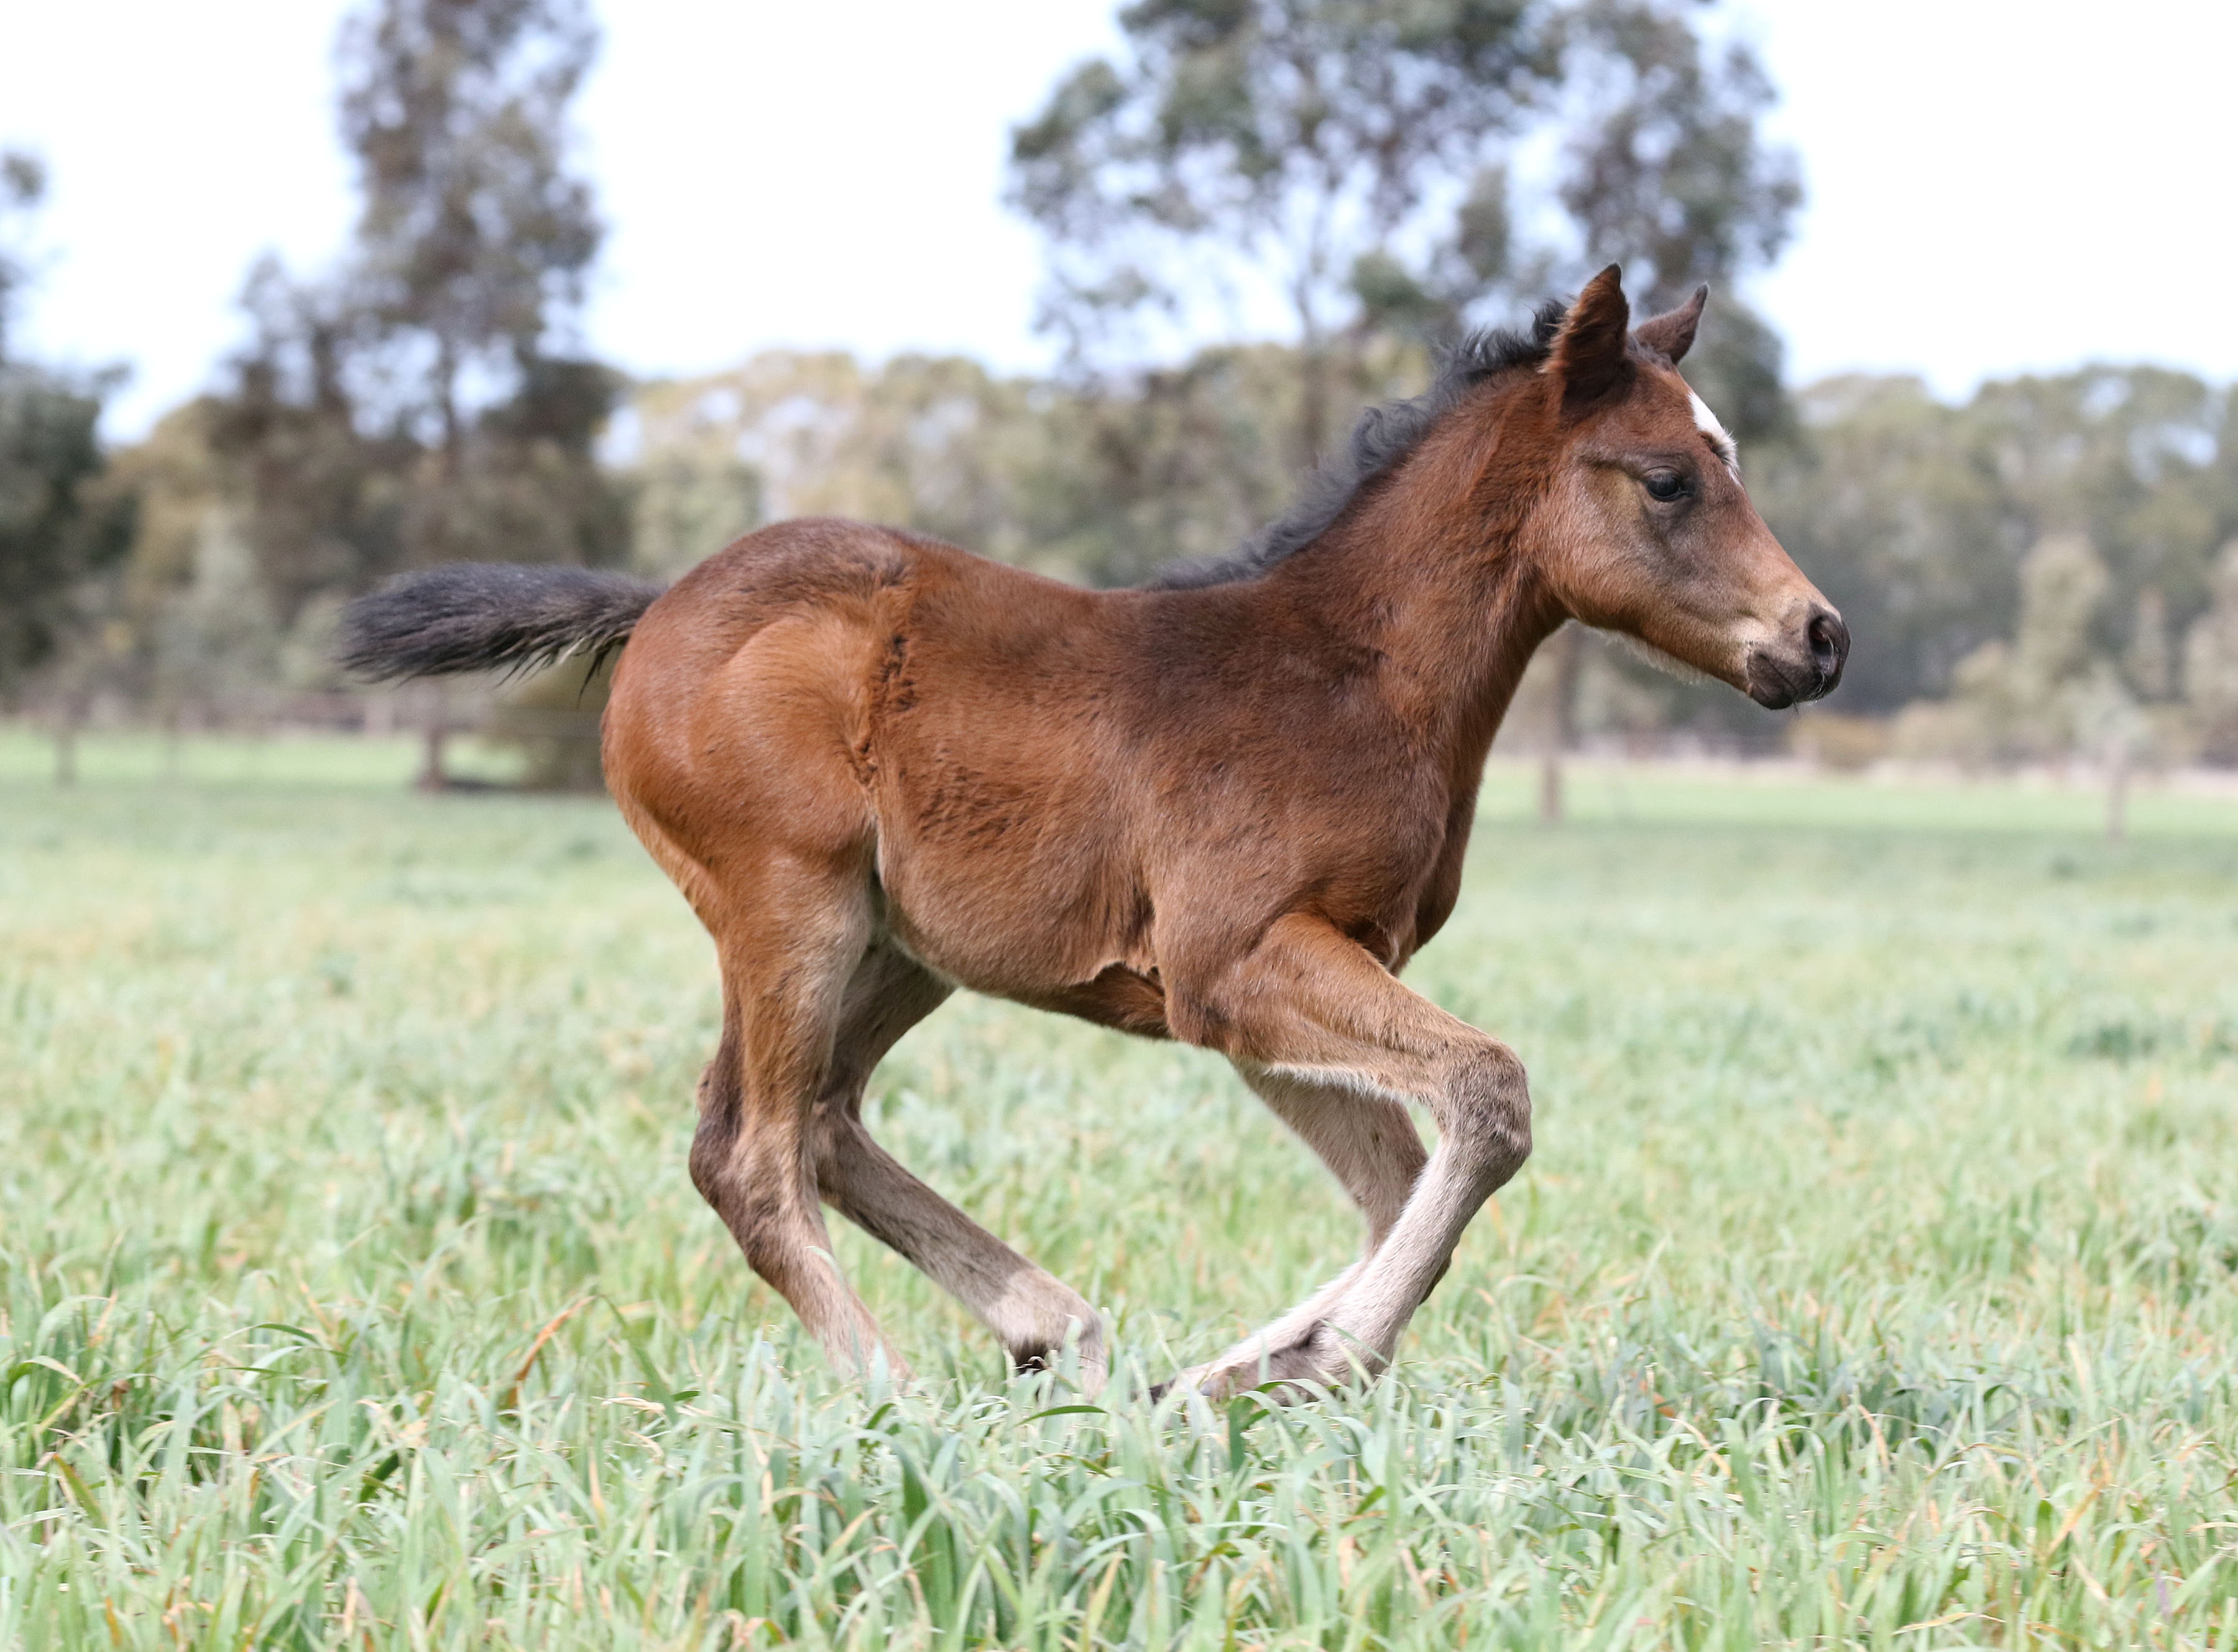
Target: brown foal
(1227, 808)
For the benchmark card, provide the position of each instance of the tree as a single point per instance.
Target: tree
(1309, 143)
(428, 402)
(1084, 479)
(475, 239)
(1353, 156)
(1667, 175)
(58, 530)
(2053, 693)
(325, 494)
(54, 531)
(1665, 172)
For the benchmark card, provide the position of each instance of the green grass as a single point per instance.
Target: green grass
(1872, 1284)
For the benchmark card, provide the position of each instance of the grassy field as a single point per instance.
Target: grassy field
(1875, 1282)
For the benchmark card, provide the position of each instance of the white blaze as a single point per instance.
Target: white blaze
(1706, 422)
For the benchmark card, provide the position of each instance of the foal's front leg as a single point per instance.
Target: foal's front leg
(1367, 1141)
(1309, 1012)
(1369, 1144)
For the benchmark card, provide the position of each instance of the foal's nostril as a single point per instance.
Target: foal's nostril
(1830, 645)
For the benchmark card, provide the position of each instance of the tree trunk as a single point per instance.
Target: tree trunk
(1561, 721)
(433, 733)
(446, 398)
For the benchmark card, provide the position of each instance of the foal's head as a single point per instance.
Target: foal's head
(1646, 528)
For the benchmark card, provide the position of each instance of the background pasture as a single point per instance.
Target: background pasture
(1872, 1284)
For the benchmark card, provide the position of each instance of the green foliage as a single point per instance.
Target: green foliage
(318, 498)
(1872, 1284)
(1182, 463)
(422, 405)
(55, 531)
(475, 239)
(1667, 175)
(58, 529)
(2047, 694)
(1096, 481)
(1085, 481)
(1351, 163)
(1305, 133)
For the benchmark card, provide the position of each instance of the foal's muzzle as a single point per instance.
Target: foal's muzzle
(1783, 676)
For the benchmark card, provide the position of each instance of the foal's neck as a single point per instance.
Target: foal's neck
(1430, 572)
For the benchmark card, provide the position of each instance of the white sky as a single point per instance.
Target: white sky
(1993, 186)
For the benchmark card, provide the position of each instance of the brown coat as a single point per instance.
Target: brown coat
(1226, 811)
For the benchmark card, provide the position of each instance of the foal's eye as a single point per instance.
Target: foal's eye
(1664, 484)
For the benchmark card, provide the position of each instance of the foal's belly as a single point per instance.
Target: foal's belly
(1024, 913)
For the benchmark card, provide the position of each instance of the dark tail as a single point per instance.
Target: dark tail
(485, 616)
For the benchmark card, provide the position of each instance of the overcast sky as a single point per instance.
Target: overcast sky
(1994, 188)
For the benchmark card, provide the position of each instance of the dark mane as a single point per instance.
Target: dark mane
(1384, 435)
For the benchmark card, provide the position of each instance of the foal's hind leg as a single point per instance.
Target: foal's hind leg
(1033, 1313)
(1311, 1005)
(753, 1157)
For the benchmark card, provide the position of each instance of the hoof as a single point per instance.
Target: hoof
(1323, 1357)
(1089, 1374)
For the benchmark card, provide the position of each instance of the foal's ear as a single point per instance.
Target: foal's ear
(1589, 358)
(1672, 332)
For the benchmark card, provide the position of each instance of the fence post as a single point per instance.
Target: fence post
(2117, 792)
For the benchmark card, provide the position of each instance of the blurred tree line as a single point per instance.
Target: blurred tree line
(2036, 572)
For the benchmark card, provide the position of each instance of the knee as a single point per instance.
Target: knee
(1489, 1103)
(754, 1182)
